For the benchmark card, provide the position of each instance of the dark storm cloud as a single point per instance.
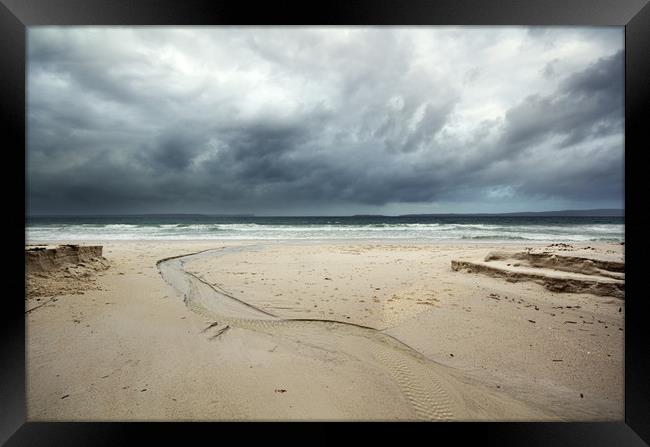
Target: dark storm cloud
(173, 150)
(279, 120)
(587, 103)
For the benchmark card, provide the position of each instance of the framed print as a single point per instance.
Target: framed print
(353, 212)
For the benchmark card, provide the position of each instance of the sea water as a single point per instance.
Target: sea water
(192, 227)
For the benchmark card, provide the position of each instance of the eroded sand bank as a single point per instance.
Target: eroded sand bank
(406, 337)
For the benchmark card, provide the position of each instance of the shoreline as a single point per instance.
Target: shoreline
(310, 241)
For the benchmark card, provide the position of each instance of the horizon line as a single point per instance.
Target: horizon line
(618, 210)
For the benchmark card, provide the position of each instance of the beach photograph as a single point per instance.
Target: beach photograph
(325, 223)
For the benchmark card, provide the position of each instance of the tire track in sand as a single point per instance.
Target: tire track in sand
(427, 396)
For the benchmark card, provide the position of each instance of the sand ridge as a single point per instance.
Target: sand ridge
(55, 270)
(597, 273)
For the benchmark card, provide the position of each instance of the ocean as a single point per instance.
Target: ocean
(187, 227)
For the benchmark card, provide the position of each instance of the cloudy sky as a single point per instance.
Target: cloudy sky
(331, 120)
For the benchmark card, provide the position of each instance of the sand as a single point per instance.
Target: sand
(401, 336)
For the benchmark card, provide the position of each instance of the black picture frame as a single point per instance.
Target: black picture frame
(16, 15)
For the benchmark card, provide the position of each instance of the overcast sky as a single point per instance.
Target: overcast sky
(324, 120)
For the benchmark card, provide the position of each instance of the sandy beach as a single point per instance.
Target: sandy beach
(329, 330)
